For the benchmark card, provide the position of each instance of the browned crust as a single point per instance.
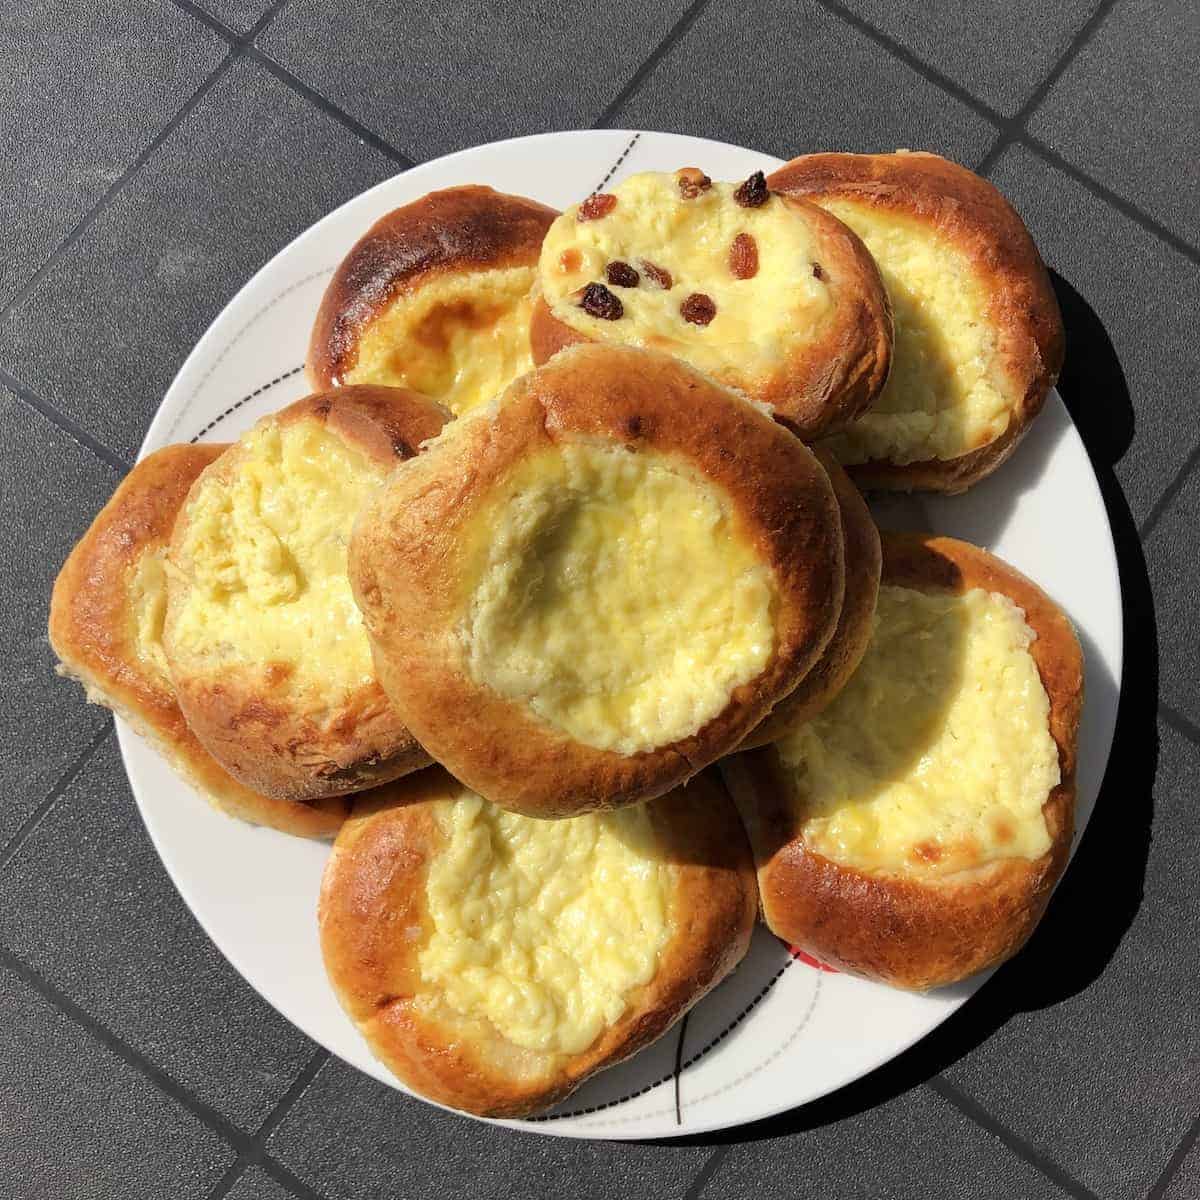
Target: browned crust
(251, 725)
(823, 385)
(457, 229)
(91, 631)
(971, 213)
(405, 553)
(373, 923)
(908, 932)
(849, 642)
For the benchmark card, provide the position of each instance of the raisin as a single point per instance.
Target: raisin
(660, 275)
(743, 257)
(598, 301)
(818, 273)
(698, 309)
(692, 181)
(753, 193)
(621, 274)
(596, 206)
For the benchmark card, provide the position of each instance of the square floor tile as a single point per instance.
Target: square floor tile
(350, 1137)
(1095, 1058)
(1172, 552)
(1127, 109)
(914, 1147)
(256, 1184)
(432, 78)
(1185, 1185)
(793, 78)
(78, 1122)
(1129, 301)
(53, 488)
(105, 330)
(88, 905)
(238, 15)
(999, 56)
(84, 87)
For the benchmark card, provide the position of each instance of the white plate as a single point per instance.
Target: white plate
(779, 1032)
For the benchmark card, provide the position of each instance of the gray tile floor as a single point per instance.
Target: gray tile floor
(155, 152)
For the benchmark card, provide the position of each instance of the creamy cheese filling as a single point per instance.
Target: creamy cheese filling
(937, 756)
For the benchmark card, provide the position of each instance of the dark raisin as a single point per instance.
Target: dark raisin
(621, 274)
(743, 257)
(753, 193)
(597, 206)
(698, 309)
(660, 275)
(818, 272)
(598, 301)
(692, 181)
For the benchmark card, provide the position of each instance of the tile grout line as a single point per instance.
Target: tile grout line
(1174, 1163)
(690, 16)
(258, 1156)
(114, 189)
(1014, 128)
(68, 777)
(71, 428)
(1160, 506)
(1175, 720)
(913, 62)
(976, 1113)
(711, 1164)
(205, 1113)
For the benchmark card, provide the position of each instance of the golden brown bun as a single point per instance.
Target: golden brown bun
(405, 553)
(822, 385)
(373, 908)
(93, 631)
(458, 229)
(244, 713)
(908, 932)
(849, 643)
(979, 221)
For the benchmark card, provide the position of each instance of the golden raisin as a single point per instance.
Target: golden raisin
(597, 206)
(570, 260)
(692, 181)
(743, 257)
(753, 193)
(660, 275)
(698, 309)
(621, 274)
(598, 301)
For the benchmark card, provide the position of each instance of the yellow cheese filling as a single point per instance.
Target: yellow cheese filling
(543, 928)
(266, 557)
(945, 396)
(615, 594)
(937, 756)
(460, 338)
(146, 600)
(756, 319)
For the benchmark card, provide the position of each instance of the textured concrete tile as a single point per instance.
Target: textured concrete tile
(1172, 551)
(998, 55)
(256, 1184)
(106, 329)
(1185, 1185)
(238, 15)
(913, 1147)
(1127, 109)
(432, 78)
(53, 488)
(87, 903)
(80, 1124)
(353, 1139)
(1129, 301)
(83, 88)
(1095, 1058)
(793, 78)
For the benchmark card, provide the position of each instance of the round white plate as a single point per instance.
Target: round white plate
(780, 1031)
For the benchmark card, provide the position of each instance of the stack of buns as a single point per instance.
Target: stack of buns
(572, 517)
